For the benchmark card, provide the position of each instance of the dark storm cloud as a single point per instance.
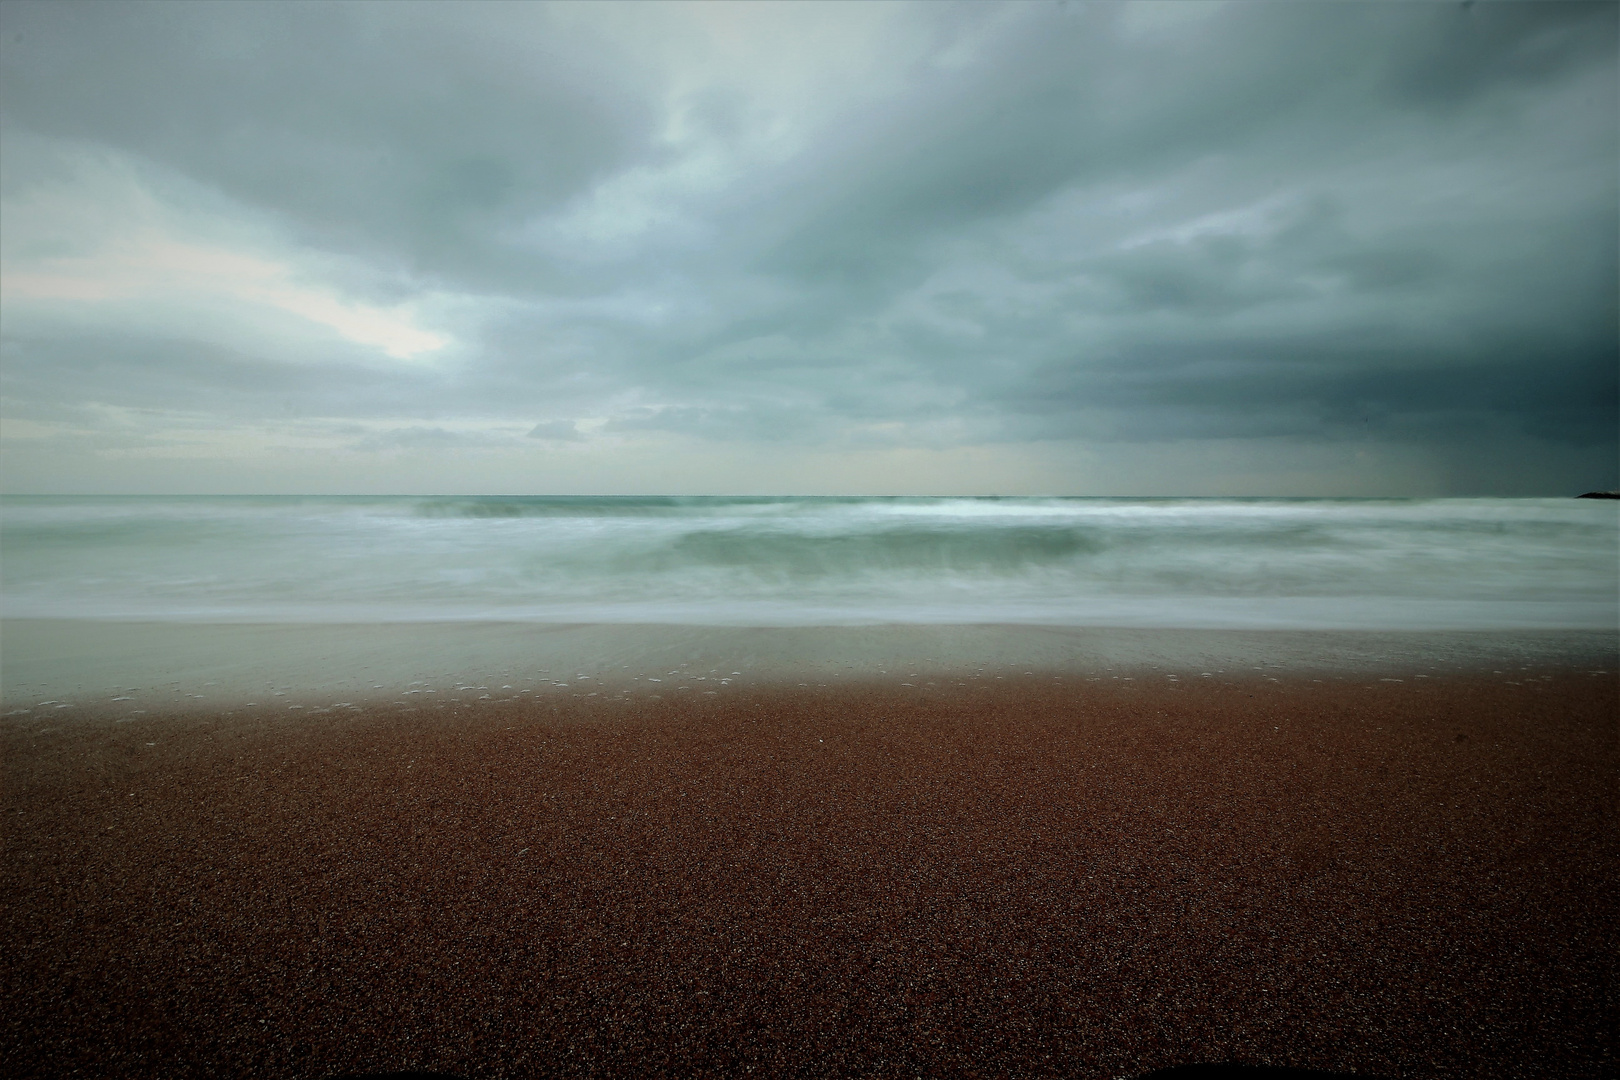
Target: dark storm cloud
(1459, 51)
(1062, 103)
(1293, 95)
(1346, 389)
(1135, 224)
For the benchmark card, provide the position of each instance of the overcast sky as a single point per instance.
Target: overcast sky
(1067, 248)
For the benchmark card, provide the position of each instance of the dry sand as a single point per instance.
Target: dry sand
(1041, 874)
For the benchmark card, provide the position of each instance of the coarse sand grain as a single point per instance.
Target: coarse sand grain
(1030, 876)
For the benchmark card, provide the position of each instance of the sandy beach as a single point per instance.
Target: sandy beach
(969, 871)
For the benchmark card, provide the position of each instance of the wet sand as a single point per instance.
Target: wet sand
(1055, 873)
(162, 665)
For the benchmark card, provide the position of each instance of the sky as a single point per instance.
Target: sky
(1028, 248)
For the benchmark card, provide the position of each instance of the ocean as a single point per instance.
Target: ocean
(1443, 564)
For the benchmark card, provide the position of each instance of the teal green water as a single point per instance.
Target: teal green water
(1392, 564)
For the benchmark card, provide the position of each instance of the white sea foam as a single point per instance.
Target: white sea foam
(1206, 563)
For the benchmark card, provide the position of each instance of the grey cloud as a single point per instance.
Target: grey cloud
(41, 374)
(1309, 222)
(733, 422)
(419, 438)
(1210, 276)
(1282, 87)
(1468, 48)
(419, 134)
(1376, 269)
(1333, 388)
(556, 431)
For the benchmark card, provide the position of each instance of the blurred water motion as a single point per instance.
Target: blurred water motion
(1374, 564)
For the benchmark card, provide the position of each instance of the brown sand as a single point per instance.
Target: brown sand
(1025, 876)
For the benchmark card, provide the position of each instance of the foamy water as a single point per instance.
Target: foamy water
(1309, 564)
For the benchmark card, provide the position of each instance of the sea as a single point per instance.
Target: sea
(1309, 564)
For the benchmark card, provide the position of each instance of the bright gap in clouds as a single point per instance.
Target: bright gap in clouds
(152, 269)
(108, 245)
(392, 331)
(166, 271)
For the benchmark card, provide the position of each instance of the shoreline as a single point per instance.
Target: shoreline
(1046, 875)
(96, 667)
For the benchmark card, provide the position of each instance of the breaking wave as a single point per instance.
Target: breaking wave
(1444, 564)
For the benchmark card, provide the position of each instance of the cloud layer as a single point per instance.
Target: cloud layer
(1072, 248)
